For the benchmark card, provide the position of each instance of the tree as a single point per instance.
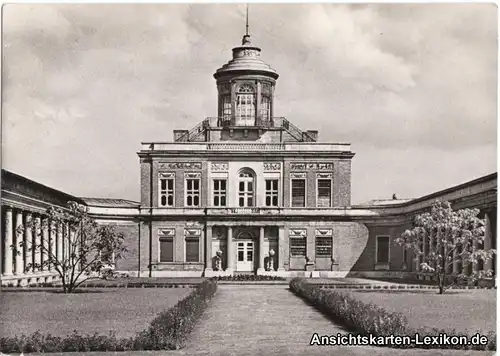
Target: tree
(447, 237)
(85, 250)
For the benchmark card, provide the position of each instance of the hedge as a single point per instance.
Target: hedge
(250, 277)
(366, 319)
(168, 331)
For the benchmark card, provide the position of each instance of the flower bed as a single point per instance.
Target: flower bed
(368, 319)
(250, 277)
(168, 331)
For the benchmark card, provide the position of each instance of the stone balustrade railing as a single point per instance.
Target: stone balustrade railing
(245, 146)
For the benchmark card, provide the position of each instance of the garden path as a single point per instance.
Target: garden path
(270, 320)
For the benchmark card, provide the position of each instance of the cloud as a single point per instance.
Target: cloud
(85, 84)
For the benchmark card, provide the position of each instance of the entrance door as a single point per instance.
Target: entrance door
(245, 256)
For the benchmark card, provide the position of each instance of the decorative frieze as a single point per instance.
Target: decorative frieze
(298, 175)
(324, 232)
(166, 232)
(192, 232)
(179, 165)
(192, 175)
(220, 166)
(272, 166)
(297, 233)
(167, 175)
(317, 166)
(324, 175)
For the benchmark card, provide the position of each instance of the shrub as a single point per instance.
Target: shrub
(168, 331)
(368, 318)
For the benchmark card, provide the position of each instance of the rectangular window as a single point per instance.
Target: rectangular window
(271, 192)
(167, 192)
(219, 192)
(382, 249)
(324, 193)
(265, 108)
(297, 246)
(107, 257)
(166, 248)
(298, 192)
(192, 249)
(226, 106)
(323, 246)
(192, 192)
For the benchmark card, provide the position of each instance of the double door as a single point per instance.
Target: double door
(245, 256)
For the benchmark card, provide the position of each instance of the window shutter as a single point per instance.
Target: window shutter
(298, 192)
(324, 193)
(192, 250)
(383, 249)
(166, 250)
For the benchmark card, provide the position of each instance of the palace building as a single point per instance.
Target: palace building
(245, 191)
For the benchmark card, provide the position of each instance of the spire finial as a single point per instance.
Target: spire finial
(247, 22)
(246, 38)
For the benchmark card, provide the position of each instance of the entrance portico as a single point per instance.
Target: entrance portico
(244, 247)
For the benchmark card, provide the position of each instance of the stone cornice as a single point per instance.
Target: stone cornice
(210, 155)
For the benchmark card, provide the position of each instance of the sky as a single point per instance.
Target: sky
(413, 88)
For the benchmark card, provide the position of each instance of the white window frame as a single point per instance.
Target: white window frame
(226, 106)
(197, 235)
(382, 265)
(113, 261)
(272, 193)
(324, 176)
(192, 176)
(246, 194)
(166, 176)
(326, 233)
(297, 234)
(265, 108)
(168, 233)
(213, 195)
(298, 176)
(246, 99)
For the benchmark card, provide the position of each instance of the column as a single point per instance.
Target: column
(45, 244)
(8, 241)
(53, 244)
(281, 248)
(424, 249)
(417, 257)
(475, 265)
(59, 252)
(261, 250)
(208, 248)
(71, 248)
(76, 249)
(230, 253)
(28, 238)
(488, 264)
(465, 264)
(19, 249)
(37, 243)
(455, 262)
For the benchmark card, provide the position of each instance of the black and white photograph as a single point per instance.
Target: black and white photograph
(249, 179)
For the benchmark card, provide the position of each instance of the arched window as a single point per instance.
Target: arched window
(245, 105)
(246, 188)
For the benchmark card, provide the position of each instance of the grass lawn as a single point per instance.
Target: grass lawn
(462, 310)
(125, 311)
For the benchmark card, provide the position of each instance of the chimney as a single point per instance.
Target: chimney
(181, 135)
(313, 134)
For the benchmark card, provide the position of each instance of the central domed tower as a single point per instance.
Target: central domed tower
(246, 88)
